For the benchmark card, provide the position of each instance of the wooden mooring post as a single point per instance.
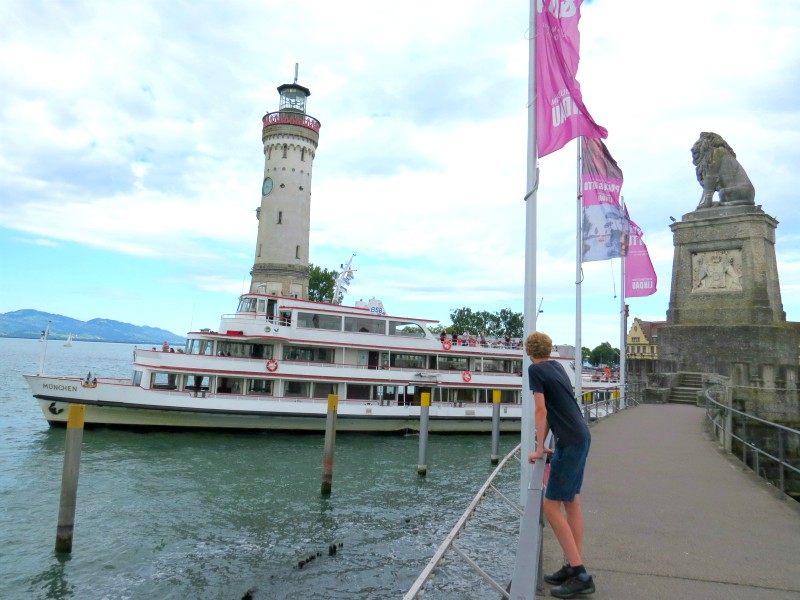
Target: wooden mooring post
(330, 443)
(495, 426)
(424, 409)
(69, 478)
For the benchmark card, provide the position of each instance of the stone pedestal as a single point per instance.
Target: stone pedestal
(725, 313)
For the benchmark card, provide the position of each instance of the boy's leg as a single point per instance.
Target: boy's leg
(575, 521)
(562, 531)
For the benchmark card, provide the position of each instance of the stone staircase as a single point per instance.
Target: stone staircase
(686, 390)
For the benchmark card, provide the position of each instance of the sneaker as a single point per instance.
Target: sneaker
(559, 576)
(574, 586)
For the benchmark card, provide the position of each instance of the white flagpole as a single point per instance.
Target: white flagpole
(623, 320)
(529, 302)
(579, 279)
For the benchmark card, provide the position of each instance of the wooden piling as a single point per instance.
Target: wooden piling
(330, 443)
(495, 426)
(69, 478)
(424, 408)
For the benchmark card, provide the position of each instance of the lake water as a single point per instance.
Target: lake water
(163, 515)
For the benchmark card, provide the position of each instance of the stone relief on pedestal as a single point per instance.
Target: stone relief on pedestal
(717, 271)
(719, 171)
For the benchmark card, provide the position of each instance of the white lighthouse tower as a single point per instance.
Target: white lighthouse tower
(290, 139)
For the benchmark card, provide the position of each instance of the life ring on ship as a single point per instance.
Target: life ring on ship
(466, 376)
(272, 365)
(447, 344)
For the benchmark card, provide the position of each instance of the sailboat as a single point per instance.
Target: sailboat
(68, 343)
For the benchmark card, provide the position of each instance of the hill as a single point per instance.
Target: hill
(29, 323)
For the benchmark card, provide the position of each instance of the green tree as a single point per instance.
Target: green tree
(586, 354)
(502, 323)
(321, 283)
(605, 354)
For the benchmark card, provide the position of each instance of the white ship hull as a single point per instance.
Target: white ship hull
(120, 404)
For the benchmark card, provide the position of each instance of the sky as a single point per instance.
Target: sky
(131, 158)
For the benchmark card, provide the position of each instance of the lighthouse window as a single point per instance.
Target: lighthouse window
(280, 217)
(303, 154)
(285, 150)
(297, 251)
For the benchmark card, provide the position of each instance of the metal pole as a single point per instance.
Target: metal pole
(495, 426)
(330, 443)
(579, 277)
(424, 408)
(69, 478)
(529, 300)
(780, 464)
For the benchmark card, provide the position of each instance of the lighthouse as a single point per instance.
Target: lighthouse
(290, 139)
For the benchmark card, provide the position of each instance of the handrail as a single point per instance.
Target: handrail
(722, 430)
(449, 541)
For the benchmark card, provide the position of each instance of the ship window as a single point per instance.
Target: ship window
(516, 367)
(247, 305)
(230, 385)
(259, 387)
(199, 346)
(319, 321)
(405, 329)
(137, 378)
(364, 325)
(240, 350)
(496, 365)
(297, 389)
(164, 381)
(358, 392)
(307, 353)
(322, 390)
(197, 382)
(454, 363)
(413, 361)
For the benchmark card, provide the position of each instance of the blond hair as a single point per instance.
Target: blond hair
(538, 345)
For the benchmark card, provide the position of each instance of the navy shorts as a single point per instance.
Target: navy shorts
(566, 472)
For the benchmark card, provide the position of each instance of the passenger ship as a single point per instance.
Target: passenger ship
(273, 364)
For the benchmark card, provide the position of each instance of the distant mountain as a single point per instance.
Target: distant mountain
(28, 323)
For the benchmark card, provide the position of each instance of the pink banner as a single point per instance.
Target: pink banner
(640, 277)
(560, 113)
(605, 226)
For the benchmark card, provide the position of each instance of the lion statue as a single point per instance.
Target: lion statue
(719, 171)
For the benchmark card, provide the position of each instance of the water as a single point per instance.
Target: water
(212, 515)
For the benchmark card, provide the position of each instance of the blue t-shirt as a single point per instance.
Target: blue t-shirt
(563, 413)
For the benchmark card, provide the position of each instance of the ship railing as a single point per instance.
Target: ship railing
(422, 371)
(458, 532)
(766, 447)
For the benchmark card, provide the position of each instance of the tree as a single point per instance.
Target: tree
(502, 323)
(586, 354)
(605, 354)
(321, 283)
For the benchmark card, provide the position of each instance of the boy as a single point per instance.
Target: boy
(556, 409)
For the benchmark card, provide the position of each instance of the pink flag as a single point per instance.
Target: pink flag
(605, 226)
(640, 277)
(560, 113)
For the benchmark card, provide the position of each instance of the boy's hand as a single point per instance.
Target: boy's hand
(539, 453)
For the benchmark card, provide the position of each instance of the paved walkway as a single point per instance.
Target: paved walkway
(669, 515)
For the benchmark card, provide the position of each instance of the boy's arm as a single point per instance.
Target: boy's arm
(542, 427)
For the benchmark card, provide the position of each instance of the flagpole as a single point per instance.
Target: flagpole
(579, 279)
(529, 301)
(623, 320)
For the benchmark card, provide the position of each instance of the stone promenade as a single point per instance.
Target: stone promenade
(669, 515)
